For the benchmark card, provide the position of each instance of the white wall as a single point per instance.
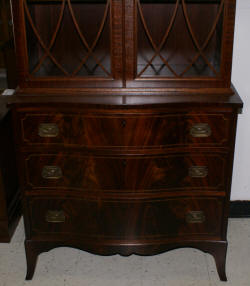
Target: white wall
(241, 81)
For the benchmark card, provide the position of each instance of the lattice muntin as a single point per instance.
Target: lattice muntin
(85, 57)
(158, 58)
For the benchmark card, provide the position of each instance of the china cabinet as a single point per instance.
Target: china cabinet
(125, 122)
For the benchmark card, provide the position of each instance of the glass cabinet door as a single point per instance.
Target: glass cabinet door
(124, 43)
(72, 42)
(178, 41)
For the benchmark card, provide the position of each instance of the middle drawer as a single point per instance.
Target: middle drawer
(126, 173)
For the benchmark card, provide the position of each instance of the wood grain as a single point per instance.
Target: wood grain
(123, 143)
(165, 130)
(133, 174)
(133, 221)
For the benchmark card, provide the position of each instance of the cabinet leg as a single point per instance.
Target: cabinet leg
(31, 258)
(219, 255)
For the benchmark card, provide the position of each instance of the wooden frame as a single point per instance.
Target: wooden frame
(27, 80)
(119, 188)
(124, 53)
(226, 57)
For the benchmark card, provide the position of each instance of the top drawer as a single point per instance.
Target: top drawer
(125, 130)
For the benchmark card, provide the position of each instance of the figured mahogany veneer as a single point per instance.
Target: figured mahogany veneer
(89, 130)
(140, 220)
(75, 172)
(151, 191)
(125, 123)
(139, 188)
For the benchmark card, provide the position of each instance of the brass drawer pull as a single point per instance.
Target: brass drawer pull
(200, 130)
(55, 216)
(198, 171)
(48, 130)
(51, 172)
(195, 217)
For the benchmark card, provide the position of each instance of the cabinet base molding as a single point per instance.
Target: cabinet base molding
(217, 249)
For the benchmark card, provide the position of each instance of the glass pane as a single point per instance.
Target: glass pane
(179, 38)
(68, 37)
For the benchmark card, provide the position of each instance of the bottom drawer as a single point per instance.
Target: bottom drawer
(168, 217)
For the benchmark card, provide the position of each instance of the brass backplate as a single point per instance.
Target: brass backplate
(48, 130)
(195, 217)
(51, 172)
(55, 216)
(198, 171)
(200, 130)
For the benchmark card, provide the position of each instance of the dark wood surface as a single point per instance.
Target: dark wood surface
(7, 44)
(217, 249)
(126, 187)
(123, 127)
(9, 190)
(75, 34)
(135, 174)
(127, 220)
(107, 156)
(127, 98)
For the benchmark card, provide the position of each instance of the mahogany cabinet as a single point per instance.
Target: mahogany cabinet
(125, 121)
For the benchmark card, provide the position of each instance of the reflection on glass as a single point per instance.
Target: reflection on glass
(179, 38)
(68, 37)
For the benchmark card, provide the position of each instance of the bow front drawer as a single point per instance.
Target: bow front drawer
(124, 130)
(123, 219)
(125, 174)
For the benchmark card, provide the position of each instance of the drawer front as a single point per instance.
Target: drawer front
(130, 173)
(104, 131)
(127, 219)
